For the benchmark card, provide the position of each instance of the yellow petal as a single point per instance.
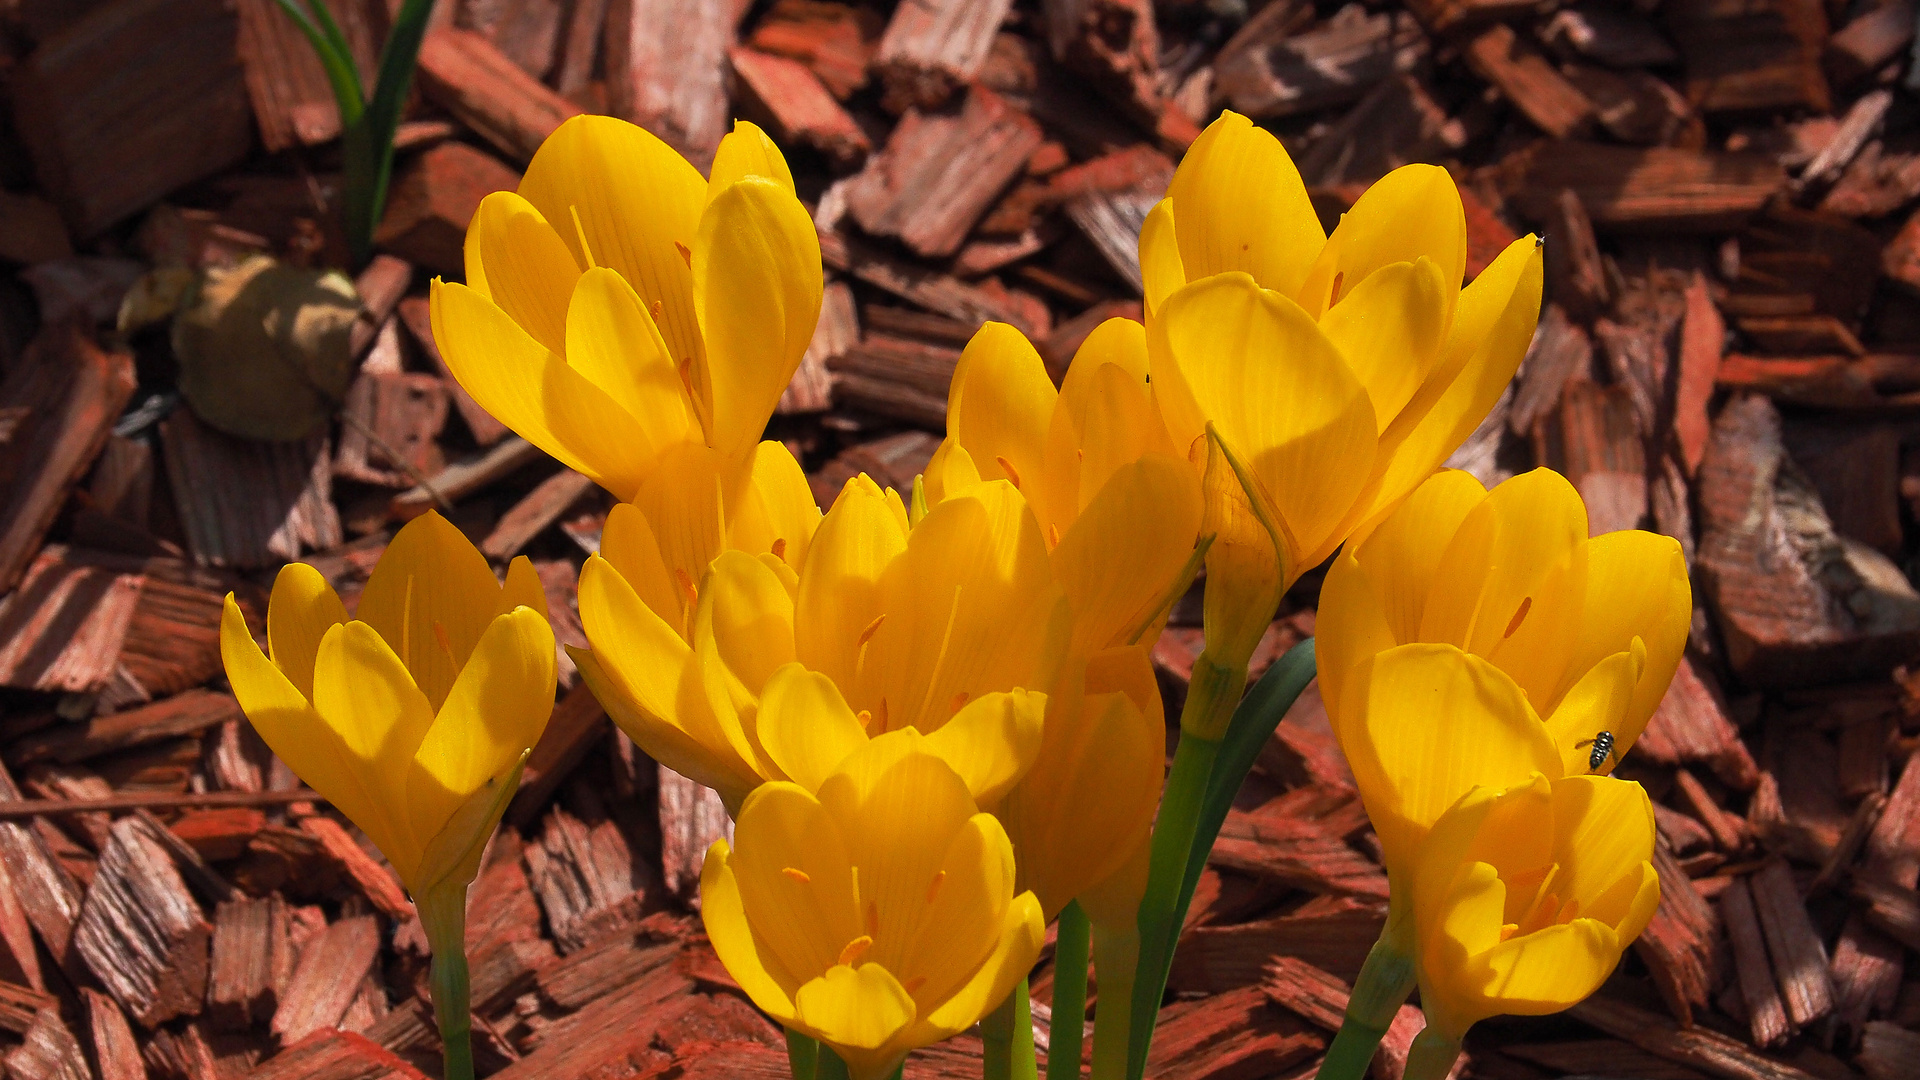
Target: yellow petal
(364, 694)
(1145, 518)
(1637, 586)
(302, 609)
(725, 918)
(1424, 724)
(1603, 832)
(297, 735)
(742, 633)
(496, 711)
(612, 342)
(1240, 205)
(1412, 212)
(515, 259)
(431, 596)
(1350, 626)
(638, 204)
(1107, 419)
(1389, 329)
(805, 726)
(840, 594)
(532, 390)
(1453, 932)
(776, 512)
(746, 151)
(964, 914)
(627, 542)
(1250, 562)
(951, 470)
(1021, 935)
(855, 1008)
(1598, 702)
(1304, 426)
(1160, 266)
(992, 741)
(756, 289)
(1000, 404)
(522, 588)
(450, 858)
(686, 500)
(803, 920)
(1547, 971)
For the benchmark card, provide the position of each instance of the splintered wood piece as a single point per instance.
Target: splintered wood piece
(417, 313)
(62, 630)
(1702, 337)
(811, 388)
(292, 99)
(19, 960)
(336, 1055)
(1644, 189)
(1698, 1047)
(580, 49)
(1297, 852)
(531, 515)
(1334, 938)
(916, 284)
(156, 82)
(1678, 944)
(585, 877)
(1579, 277)
(252, 958)
(666, 63)
(618, 965)
(1112, 220)
(464, 477)
(1749, 55)
(1238, 1033)
(835, 40)
(1867, 966)
(527, 31)
(114, 1048)
(1335, 63)
(1766, 1016)
(467, 76)
(1888, 1052)
(48, 1052)
(183, 714)
(395, 420)
(1636, 106)
(797, 106)
(327, 978)
(932, 48)
(1855, 467)
(20, 1005)
(248, 504)
(1799, 957)
(375, 881)
(577, 723)
(1875, 38)
(608, 1033)
(1529, 82)
(140, 931)
(1861, 122)
(1727, 829)
(434, 197)
(60, 404)
(1561, 351)
(897, 377)
(1603, 452)
(46, 892)
(692, 817)
(1397, 123)
(1115, 45)
(1893, 847)
(939, 172)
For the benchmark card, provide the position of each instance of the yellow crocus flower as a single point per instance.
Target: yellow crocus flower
(877, 915)
(1524, 899)
(956, 623)
(413, 717)
(1589, 630)
(1336, 372)
(638, 323)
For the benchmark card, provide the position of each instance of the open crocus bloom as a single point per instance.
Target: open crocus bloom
(949, 624)
(877, 915)
(639, 322)
(413, 718)
(1525, 897)
(1589, 630)
(1337, 372)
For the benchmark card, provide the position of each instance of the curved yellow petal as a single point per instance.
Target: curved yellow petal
(637, 203)
(686, 499)
(1021, 935)
(1239, 204)
(430, 596)
(1161, 270)
(612, 342)
(301, 610)
(775, 512)
(1117, 424)
(1279, 394)
(450, 857)
(495, 712)
(1146, 519)
(805, 726)
(951, 470)
(803, 920)
(965, 915)
(1000, 403)
(756, 290)
(628, 544)
(1598, 702)
(1548, 970)
(1423, 725)
(1412, 212)
(1350, 626)
(855, 1009)
(742, 633)
(1603, 832)
(1389, 329)
(992, 741)
(724, 917)
(515, 259)
(1637, 586)
(747, 151)
(362, 692)
(531, 389)
(522, 588)
(840, 594)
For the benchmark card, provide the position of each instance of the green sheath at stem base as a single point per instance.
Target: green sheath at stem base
(1432, 1055)
(443, 914)
(1382, 987)
(1069, 994)
(1116, 953)
(803, 1055)
(1007, 1033)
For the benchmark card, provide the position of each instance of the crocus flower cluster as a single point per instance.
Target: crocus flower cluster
(933, 713)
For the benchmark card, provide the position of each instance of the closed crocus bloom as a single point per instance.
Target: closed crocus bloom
(876, 915)
(1336, 372)
(1524, 899)
(639, 322)
(950, 625)
(1589, 630)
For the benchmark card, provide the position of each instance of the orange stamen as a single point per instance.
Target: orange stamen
(855, 949)
(796, 874)
(1519, 616)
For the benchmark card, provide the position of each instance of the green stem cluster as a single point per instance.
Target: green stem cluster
(1069, 993)
(1007, 1035)
(443, 914)
(1382, 987)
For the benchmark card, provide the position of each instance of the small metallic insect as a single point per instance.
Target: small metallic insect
(1602, 750)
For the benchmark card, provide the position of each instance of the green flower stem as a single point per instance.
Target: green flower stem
(829, 1067)
(1432, 1055)
(803, 1055)
(1069, 994)
(443, 913)
(1116, 953)
(1385, 980)
(1007, 1033)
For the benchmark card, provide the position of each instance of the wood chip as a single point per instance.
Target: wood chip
(932, 48)
(483, 89)
(692, 817)
(1651, 189)
(666, 63)
(327, 978)
(1766, 1015)
(1333, 64)
(247, 504)
(140, 931)
(375, 880)
(797, 107)
(1529, 82)
(252, 958)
